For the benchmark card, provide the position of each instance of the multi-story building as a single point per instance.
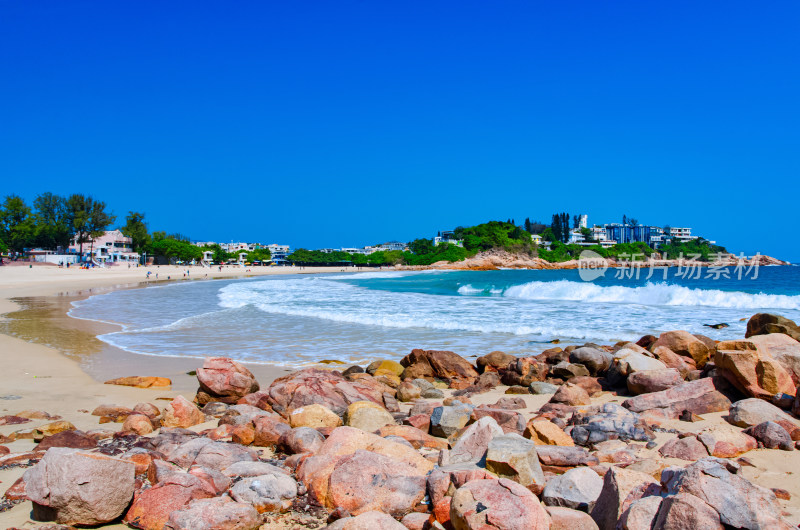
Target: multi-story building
(681, 234)
(448, 237)
(625, 233)
(112, 246)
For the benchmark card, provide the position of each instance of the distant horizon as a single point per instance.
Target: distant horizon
(325, 125)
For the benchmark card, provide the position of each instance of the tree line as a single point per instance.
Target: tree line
(52, 221)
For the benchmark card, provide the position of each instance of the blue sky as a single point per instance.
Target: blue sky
(348, 123)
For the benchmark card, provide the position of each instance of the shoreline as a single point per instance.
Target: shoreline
(41, 377)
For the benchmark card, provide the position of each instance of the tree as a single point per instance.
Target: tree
(17, 227)
(89, 218)
(421, 246)
(53, 223)
(136, 229)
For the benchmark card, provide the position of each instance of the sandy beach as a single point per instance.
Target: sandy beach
(46, 378)
(38, 376)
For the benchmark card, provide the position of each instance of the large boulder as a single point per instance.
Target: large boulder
(783, 349)
(524, 371)
(765, 323)
(512, 456)
(555, 456)
(595, 360)
(152, 507)
(77, 488)
(471, 446)
(726, 441)
(698, 397)
(508, 420)
(324, 387)
(223, 379)
(608, 422)
(572, 395)
(752, 411)
(771, 436)
(220, 455)
(684, 365)
(446, 420)
(315, 416)
(219, 513)
(494, 361)
(578, 489)
(182, 413)
(687, 448)
(301, 440)
(366, 481)
(640, 514)
(444, 365)
(719, 483)
(628, 361)
(316, 471)
(621, 487)
(272, 492)
(649, 381)
(751, 371)
(367, 416)
(496, 504)
(684, 510)
(686, 345)
(444, 480)
(545, 432)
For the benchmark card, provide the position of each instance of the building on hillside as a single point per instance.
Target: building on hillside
(111, 247)
(536, 238)
(583, 221)
(449, 237)
(625, 233)
(682, 234)
(393, 245)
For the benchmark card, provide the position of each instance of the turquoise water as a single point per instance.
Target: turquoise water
(358, 317)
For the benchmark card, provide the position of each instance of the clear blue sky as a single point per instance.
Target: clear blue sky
(349, 123)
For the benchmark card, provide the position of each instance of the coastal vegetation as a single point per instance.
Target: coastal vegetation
(55, 221)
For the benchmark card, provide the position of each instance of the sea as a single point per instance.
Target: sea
(300, 320)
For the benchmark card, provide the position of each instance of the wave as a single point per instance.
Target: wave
(660, 294)
(469, 289)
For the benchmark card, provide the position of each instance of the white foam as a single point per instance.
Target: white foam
(657, 294)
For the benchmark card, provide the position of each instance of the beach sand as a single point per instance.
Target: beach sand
(42, 370)
(42, 362)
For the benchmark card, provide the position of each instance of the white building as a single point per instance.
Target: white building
(583, 221)
(448, 237)
(681, 234)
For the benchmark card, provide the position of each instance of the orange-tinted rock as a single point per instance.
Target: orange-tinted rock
(508, 420)
(268, 431)
(324, 387)
(725, 441)
(243, 434)
(445, 365)
(496, 503)
(686, 345)
(414, 436)
(419, 421)
(524, 371)
(112, 413)
(545, 432)
(181, 412)
(151, 508)
(220, 513)
(698, 397)
(648, 381)
(141, 381)
(258, 399)
(366, 481)
(72, 439)
(17, 491)
(79, 488)
(688, 448)
(753, 372)
(138, 423)
(225, 380)
(494, 361)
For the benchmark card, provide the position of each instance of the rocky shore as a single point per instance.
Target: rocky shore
(502, 259)
(675, 431)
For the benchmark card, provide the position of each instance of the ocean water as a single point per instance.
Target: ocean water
(297, 320)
